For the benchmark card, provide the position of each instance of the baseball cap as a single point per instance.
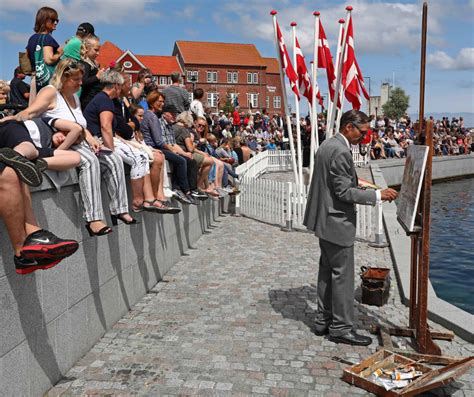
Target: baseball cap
(86, 27)
(169, 108)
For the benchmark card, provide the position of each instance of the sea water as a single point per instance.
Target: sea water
(452, 242)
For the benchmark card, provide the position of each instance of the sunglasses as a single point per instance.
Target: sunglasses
(72, 65)
(54, 20)
(201, 125)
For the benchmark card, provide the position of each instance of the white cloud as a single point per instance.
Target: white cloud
(105, 11)
(463, 61)
(379, 27)
(16, 37)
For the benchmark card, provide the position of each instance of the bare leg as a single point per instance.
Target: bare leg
(137, 191)
(31, 224)
(27, 149)
(12, 210)
(63, 160)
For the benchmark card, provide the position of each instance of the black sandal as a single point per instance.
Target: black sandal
(169, 209)
(102, 232)
(116, 218)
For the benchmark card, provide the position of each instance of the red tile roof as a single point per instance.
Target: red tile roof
(160, 65)
(108, 52)
(208, 53)
(272, 65)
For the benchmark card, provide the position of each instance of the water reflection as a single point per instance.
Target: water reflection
(452, 242)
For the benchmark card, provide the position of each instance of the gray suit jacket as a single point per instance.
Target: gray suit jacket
(330, 209)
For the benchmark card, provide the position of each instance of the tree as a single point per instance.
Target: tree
(228, 107)
(397, 105)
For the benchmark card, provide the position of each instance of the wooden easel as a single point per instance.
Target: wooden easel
(420, 244)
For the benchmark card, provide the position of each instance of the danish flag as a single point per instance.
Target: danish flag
(303, 77)
(325, 60)
(352, 79)
(286, 63)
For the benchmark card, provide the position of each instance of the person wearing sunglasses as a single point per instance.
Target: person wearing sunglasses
(42, 44)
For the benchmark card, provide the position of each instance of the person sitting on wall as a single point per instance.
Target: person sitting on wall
(34, 248)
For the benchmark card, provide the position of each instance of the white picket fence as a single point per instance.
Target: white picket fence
(284, 203)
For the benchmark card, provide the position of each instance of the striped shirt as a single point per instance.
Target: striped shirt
(177, 97)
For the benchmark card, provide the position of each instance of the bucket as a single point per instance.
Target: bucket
(375, 285)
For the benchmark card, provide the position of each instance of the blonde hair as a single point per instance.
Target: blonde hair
(87, 43)
(64, 69)
(4, 87)
(185, 118)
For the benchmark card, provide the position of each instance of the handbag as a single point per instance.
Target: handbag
(25, 63)
(44, 72)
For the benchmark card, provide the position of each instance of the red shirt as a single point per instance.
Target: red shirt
(368, 138)
(236, 118)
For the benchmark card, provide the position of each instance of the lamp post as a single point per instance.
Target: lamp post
(193, 80)
(370, 97)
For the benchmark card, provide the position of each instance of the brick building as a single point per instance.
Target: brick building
(226, 71)
(160, 66)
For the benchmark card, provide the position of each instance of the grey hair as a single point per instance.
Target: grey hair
(111, 77)
(185, 118)
(354, 117)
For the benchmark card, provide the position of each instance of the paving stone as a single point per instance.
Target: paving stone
(234, 318)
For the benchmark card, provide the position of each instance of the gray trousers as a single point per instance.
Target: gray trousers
(91, 168)
(335, 288)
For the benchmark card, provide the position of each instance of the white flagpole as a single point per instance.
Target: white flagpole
(297, 110)
(339, 115)
(285, 100)
(341, 41)
(336, 64)
(314, 121)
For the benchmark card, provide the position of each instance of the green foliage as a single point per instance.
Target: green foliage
(228, 107)
(397, 105)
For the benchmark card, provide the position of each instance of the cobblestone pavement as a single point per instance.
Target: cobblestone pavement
(234, 318)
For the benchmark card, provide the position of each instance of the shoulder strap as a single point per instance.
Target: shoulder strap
(69, 107)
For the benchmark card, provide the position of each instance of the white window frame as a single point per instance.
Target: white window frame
(267, 101)
(232, 77)
(252, 99)
(252, 78)
(211, 76)
(277, 102)
(163, 80)
(192, 73)
(213, 99)
(232, 96)
(191, 96)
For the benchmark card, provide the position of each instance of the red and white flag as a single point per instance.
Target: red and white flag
(286, 63)
(325, 60)
(304, 79)
(352, 79)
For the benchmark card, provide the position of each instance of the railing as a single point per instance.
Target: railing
(284, 203)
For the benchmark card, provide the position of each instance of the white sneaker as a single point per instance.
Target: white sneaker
(168, 192)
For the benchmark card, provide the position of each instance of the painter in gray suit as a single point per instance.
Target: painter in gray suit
(331, 214)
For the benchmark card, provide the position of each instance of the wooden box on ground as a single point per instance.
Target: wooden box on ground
(384, 359)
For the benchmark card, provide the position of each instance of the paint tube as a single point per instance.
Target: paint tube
(405, 375)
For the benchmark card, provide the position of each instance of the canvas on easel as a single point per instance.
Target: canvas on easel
(411, 186)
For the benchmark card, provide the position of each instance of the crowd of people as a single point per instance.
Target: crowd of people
(79, 114)
(76, 114)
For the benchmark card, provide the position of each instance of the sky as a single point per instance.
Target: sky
(387, 35)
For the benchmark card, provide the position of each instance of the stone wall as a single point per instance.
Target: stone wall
(443, 168)
(50, 319)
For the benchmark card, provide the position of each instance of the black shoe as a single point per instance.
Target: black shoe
(41, 165)
(25, 265)
(191, 199)
(121, 217)
(102, 232)
(45, 245)
(352, 338)
(199, 195)
(181, 197)
(25, 169)
(321, 332)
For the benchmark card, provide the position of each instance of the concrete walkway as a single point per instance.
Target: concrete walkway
(234, 318)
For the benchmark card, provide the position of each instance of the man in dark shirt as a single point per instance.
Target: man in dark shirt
(19, 90)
